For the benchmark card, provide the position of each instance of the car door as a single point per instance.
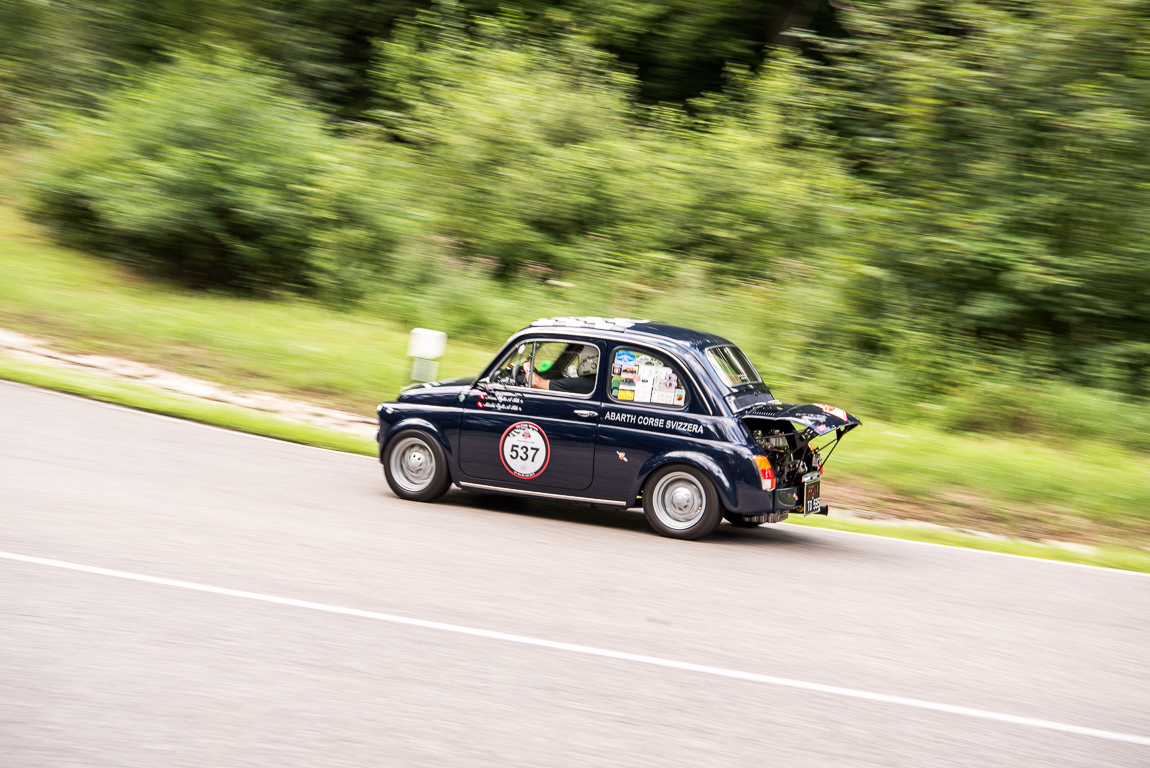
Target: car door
(650, 407)
(535, 424)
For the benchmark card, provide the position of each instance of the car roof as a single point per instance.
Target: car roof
(640, 330)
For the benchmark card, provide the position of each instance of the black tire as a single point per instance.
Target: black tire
(739, 521)
(415, 466)
(679, 501)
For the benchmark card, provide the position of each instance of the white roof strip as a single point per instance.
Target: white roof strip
(598, 323)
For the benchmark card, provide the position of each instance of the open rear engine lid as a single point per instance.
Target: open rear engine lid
(817, 416)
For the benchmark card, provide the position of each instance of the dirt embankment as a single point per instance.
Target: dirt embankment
(31, 348)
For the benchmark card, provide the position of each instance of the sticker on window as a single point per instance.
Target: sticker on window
(623, 375)
(525, 450)
(664, 384)
(641, 378)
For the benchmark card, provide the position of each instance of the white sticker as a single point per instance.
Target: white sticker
(524, 450)
(646, 383)
(663, 385)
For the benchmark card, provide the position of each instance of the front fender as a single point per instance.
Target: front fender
(699, 461)
(414, 422)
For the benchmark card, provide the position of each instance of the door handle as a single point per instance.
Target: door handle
(586, 414)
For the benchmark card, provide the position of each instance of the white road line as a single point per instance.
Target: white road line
(752, 677)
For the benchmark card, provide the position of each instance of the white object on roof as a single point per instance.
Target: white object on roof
(599, 323)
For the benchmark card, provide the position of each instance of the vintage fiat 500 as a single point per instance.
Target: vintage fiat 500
(616, 413)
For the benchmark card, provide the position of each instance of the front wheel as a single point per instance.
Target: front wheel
(681, 502)
(415, 466)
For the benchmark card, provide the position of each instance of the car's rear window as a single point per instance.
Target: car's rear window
(732, 365)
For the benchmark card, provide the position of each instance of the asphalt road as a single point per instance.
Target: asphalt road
(103, 670)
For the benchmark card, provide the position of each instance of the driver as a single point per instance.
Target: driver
(580, 384)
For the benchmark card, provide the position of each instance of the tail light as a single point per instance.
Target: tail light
(766, 472)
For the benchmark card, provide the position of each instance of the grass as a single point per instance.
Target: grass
(1004, 484)
(1121, 558)
(1078, 490)
(290, 346)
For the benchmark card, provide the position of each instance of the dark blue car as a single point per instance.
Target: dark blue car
(614, 413)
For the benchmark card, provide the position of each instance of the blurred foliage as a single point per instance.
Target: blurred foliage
(69, 51)
(540, 159)
(910, 202)
(678, 49)
(208, 172)
(1013, 142)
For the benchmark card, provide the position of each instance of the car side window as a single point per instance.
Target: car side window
(554, 366)
(562, 366)
(640, 377)
(512, 371)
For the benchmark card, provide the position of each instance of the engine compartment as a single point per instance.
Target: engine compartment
(789, 450)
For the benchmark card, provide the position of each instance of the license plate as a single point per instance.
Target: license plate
(811, 488)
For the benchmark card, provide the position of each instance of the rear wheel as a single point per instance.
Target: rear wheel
(415, 466)
(681, 502)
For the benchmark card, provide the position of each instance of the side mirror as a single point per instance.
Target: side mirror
(483, 385)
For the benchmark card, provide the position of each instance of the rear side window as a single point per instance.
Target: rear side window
(732, 366)
(642, 378)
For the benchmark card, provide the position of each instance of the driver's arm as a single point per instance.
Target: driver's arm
(534, 380)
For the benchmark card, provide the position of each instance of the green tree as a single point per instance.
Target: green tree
(207, 171)
(1013, 140)
(512, 137)
(535, 152)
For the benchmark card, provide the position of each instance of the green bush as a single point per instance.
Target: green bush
(533, 153)
(355, 206)
(207, 172)
(1012, 142)
(512, 138)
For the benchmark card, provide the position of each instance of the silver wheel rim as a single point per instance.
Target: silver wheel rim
(412, 464)
(679, 501)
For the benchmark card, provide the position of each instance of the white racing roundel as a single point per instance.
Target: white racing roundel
(524, 450)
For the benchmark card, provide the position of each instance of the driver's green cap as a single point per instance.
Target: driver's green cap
(544, 366)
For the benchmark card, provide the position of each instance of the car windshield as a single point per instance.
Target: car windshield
(733, 367)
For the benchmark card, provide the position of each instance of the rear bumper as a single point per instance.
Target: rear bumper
(790, 499)
(773, 506)
(778, 506)
(787, 498)
(767, 517)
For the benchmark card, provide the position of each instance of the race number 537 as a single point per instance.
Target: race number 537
(524, 450)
